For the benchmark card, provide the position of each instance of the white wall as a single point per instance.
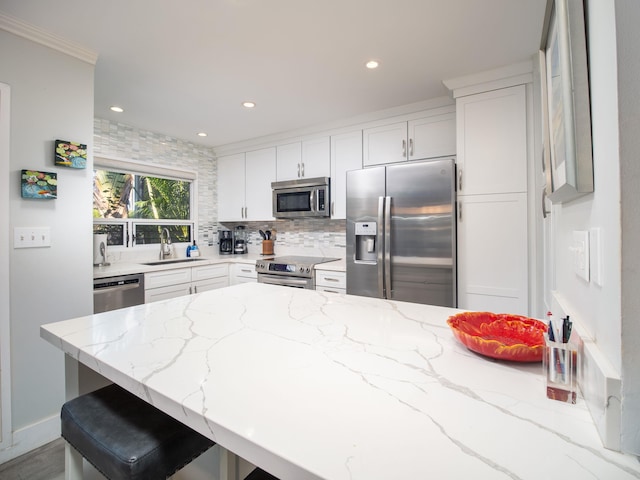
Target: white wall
(604, 312)
(51, 98)
(628, 40)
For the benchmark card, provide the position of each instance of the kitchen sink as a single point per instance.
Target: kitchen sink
(169, 262)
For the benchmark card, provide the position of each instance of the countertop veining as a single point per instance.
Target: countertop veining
(311, 385)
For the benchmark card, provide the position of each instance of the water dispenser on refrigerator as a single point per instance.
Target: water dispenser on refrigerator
(366, 242)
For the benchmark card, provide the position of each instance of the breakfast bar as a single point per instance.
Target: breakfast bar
(313, 385)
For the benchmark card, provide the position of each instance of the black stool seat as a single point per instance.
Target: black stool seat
(125, 437)
(258, 474)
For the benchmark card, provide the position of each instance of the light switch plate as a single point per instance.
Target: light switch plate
(31, 237)
(581, 254)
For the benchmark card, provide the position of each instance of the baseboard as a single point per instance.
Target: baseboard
(599, 382)
(31, 437)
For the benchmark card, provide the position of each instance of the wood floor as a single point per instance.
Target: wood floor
(44, 463)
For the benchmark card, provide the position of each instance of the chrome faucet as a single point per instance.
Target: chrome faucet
(165, 244)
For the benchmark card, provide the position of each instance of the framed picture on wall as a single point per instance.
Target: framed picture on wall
(565, 102)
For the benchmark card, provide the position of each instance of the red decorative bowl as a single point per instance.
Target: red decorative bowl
(502, 336)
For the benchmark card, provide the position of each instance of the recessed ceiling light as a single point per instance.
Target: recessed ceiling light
(116, 109)
(248, 104)
(202, 134)
(371, 64)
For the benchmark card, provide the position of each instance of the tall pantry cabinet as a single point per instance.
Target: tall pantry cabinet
(493, 270)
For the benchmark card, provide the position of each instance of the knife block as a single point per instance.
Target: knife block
(267, 247)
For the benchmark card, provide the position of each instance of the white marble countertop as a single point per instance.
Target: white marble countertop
(310, 385)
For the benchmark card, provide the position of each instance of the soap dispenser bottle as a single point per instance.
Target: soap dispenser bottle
(195, 251)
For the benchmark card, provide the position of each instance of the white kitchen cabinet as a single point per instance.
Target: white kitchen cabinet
(209, 277)
(493, 270)
(493, 253)
(171, 283)
(384, 144)
(492, 142)
(242, 273)
(346, 154)
(305, 159)
(164, 278)
(260, 172)
(331, 281)
(231, 187)
(244, 185)
(431, 136)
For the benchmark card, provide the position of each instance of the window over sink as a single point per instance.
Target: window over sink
(134, 202)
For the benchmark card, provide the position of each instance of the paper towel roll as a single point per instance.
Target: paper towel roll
(100, 249)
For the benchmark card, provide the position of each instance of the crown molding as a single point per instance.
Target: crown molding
(508, 76)
(35, 34)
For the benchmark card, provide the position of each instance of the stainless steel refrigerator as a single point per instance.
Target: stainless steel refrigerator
(401, 232)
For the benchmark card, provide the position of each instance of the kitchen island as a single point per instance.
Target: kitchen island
(310, 385)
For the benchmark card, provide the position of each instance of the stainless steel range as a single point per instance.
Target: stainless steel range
(293, 271)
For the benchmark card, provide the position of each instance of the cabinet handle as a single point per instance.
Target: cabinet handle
(333, 208)
(545, 212)
(302, 174)
(404, 148)
(411, 147)
(460, 180)
(195, 289)
(329, 279)
(298, 170)
(244, 270)
(460, 211)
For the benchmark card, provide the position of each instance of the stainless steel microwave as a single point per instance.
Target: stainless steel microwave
(307, 197)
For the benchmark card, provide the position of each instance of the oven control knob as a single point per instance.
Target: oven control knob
(308, 269)
(301, 269)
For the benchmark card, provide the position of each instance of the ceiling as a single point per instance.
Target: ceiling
(183, 67)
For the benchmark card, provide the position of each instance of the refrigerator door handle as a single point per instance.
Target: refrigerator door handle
(387, 247)
(379, 247)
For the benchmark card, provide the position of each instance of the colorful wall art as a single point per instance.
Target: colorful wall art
(37, 184)
(71, 154)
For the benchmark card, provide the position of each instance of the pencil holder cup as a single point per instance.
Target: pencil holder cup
(560, 364)
(267, 247)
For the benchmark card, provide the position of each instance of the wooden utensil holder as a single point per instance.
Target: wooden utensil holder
(267, 247)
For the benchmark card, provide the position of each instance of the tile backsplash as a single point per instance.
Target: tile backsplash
(309, 233)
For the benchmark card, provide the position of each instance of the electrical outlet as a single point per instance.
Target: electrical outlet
(31, 237)
(581, 254)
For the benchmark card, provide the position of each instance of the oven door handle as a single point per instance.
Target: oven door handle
(284, 281)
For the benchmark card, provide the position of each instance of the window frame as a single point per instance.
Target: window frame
(150, 169)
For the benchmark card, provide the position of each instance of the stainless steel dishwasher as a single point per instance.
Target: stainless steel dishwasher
(111, 293)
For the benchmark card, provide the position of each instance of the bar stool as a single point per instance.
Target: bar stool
(124, 437)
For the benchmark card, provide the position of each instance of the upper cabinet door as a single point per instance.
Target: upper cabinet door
(385, 144)
(316, 158)
(432, 137)
(231, 188)
(260, 172)
(492, 142)
(288, 160)
(346, 154)
(306, 159)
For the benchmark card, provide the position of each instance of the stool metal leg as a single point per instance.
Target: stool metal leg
(72, 463)
(228, 464)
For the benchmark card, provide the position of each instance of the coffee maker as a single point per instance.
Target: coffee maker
(240, 240)
(225, 241)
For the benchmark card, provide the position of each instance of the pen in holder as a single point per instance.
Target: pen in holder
(560, 362)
